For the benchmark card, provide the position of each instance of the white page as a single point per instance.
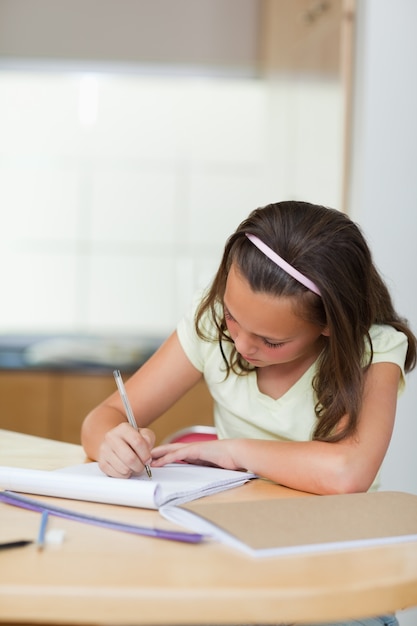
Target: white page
(175, 484)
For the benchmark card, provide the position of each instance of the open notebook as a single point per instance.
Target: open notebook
(172, 484)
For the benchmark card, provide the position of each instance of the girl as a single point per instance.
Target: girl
(301, 349)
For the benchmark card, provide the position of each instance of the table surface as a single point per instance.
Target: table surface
(101, 576)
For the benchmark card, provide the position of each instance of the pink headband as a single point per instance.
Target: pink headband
(283, 264)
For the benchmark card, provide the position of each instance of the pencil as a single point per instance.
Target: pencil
(42, 530)
(131, 418)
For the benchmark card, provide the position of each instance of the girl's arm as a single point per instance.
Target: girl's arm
(106, 435)
(314, 466)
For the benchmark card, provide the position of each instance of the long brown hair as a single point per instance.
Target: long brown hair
(326, 246)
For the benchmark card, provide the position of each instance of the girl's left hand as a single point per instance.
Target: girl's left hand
(215, 453)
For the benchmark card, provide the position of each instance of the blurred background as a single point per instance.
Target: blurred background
(135, 135)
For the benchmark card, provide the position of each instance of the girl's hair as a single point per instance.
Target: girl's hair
(328, 248)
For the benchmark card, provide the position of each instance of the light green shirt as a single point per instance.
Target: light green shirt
(241, 410)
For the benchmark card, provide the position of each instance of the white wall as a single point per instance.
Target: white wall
(384, 189)
(384, 181)
(118, 191)
(135, 136)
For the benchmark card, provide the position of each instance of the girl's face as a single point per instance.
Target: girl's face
(264, 328)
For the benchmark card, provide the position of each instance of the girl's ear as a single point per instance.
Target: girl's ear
(326, 331)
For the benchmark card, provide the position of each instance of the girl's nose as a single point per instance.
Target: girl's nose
(244, 344)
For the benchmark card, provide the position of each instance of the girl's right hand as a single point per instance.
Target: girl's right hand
(125, 451)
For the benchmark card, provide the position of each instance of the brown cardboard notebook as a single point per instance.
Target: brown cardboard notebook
(310, 523)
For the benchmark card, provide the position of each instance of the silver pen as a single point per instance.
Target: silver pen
(119, 382)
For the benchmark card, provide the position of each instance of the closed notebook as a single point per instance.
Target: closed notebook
(174, 484)
(303, 524)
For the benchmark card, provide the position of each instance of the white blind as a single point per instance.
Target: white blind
(220, 33)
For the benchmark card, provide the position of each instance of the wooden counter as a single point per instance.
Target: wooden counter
(100, 576)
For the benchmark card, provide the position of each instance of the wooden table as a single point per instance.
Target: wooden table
(100, 576)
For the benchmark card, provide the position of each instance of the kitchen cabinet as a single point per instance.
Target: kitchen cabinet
(53, 403)
(303, 36)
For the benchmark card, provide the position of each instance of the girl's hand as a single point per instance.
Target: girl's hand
(215, 453)
(125, 451)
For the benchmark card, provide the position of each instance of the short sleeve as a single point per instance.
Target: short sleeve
(389, 346)
(194, 347)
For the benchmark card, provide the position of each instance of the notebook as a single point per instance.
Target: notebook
(303, 524)
(173, 484)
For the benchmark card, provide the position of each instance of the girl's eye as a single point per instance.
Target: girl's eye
(272, 345)
(228, 316)
(269, 344)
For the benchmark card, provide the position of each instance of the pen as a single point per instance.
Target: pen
(119, 382)
(31, 504)
(15, 544)
(42, 530)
